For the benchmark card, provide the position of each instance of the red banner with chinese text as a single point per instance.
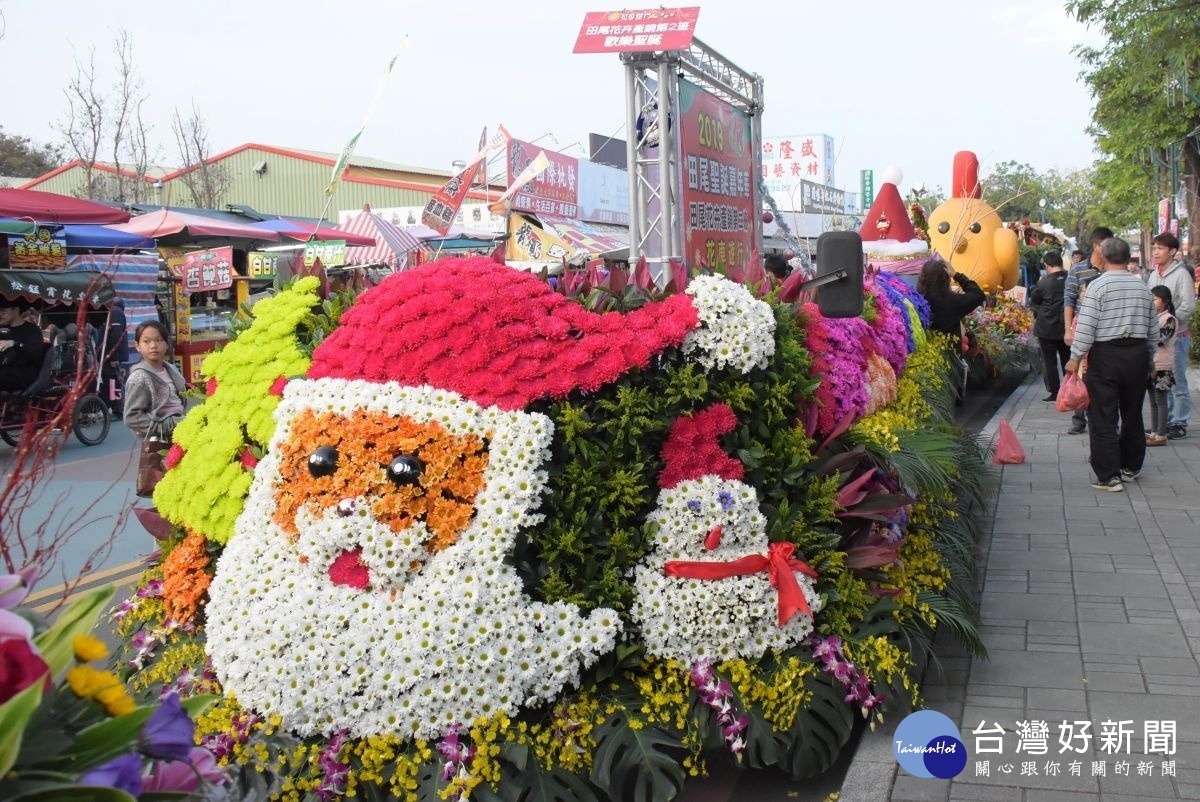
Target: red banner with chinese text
(638, 30)
(445, 202)
(208, 270)
(718, 184)
(554, 191)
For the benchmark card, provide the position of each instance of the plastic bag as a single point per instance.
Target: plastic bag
(1072, 394)
(1008, 447)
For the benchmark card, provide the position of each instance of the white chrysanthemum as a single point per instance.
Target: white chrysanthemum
(687, 619)
(736, 329)
(416, 651)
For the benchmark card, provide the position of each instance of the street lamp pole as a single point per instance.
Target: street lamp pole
(1042, 209)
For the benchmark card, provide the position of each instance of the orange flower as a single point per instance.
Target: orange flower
(185, 580)
(366, 443)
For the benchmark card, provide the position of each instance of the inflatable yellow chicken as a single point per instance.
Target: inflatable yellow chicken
(969, 234)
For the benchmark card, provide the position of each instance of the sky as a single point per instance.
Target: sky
(895, 84)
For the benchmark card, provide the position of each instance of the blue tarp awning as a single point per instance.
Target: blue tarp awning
(103, 237)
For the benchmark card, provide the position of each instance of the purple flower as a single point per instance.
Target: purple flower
(694, 505)
(725, 498)
(168, 734)
(123, 773)
(335, 773)
(153, 590)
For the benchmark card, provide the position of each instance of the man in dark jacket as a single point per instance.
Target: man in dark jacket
(1047, 302)
(21, 347)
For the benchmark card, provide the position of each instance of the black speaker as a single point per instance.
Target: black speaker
(840, 251)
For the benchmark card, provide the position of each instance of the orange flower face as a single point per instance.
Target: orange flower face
(378, 469)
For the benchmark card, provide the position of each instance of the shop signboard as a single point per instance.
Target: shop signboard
(1164, 214)
(788, 160)
(44, 248)
(554, 191)
(818, 199)
(635, 31)
(866, 187)
(331, 252)
(208, 270)
(718, 186)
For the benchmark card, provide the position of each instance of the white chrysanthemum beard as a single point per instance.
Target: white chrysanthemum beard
(453, 641)
(687, 619)
(736, 329)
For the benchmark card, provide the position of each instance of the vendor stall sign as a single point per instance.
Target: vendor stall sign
(718, 181)
(637, 31)
(554, 190)
(208, 270)
(330, 252)
(817, 199)
(263, 264)
(44, 248)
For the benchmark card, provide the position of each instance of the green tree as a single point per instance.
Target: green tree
(20, 157)
(1147, 113)
(1073, 201)
(1014, 190)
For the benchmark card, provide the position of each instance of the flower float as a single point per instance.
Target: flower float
(501, 536)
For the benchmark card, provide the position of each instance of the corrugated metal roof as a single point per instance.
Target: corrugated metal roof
(375, 164)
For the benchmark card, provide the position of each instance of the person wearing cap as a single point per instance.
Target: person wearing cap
(21, 347)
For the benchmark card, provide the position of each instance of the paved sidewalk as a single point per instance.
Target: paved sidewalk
(1089, 613)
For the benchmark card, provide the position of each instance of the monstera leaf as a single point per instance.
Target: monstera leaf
(821, 729)
(637, 765)
(523, 780)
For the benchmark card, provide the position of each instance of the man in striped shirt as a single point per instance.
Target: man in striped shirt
(1117, 332)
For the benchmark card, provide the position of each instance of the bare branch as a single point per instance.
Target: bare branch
(207, 183)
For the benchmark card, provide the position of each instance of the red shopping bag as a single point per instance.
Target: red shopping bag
(1008, 447)
(1072, 394)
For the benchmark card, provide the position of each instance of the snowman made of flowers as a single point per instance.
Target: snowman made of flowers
(366, 587)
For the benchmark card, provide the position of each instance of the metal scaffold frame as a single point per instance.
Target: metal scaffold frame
(656, 219)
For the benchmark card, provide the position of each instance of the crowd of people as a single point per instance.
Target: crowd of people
(1126, 332)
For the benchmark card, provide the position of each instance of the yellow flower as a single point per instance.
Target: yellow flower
(84, 681)
(121, 706)
(88, 648)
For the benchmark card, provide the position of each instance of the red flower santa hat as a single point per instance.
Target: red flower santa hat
(887, 232)
(503, 337)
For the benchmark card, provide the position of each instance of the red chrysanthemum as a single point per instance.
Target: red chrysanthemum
(349, 569)
(693, 449)
(174, 455)
(493, 334)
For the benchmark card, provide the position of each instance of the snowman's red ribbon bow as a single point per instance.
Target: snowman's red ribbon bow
(779, 564)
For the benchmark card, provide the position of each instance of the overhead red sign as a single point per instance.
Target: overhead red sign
(637, 31)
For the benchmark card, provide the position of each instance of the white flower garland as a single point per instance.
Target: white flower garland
(736, 329)
(689, 619)
(416, 651)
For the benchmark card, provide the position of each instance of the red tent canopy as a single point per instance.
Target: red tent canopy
(182, 226)
(49, 207)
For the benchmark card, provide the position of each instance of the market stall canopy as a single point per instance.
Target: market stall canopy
(393, 244)
(424, 232)
(48, 207)
(181, 227)
(303, 232)
(57, 287)
(104, 238)
(17, 227)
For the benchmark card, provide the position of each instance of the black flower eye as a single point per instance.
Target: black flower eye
(976, 228)
(405, 469)
(943, 227)
(323, 461)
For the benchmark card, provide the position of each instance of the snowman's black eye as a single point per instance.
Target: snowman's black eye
(323, 461)
(405, 469)
(943, 227)
(976, 228)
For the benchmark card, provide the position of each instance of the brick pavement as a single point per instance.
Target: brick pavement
(1089, 613)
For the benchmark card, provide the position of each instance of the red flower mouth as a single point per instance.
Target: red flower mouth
(349, 569)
